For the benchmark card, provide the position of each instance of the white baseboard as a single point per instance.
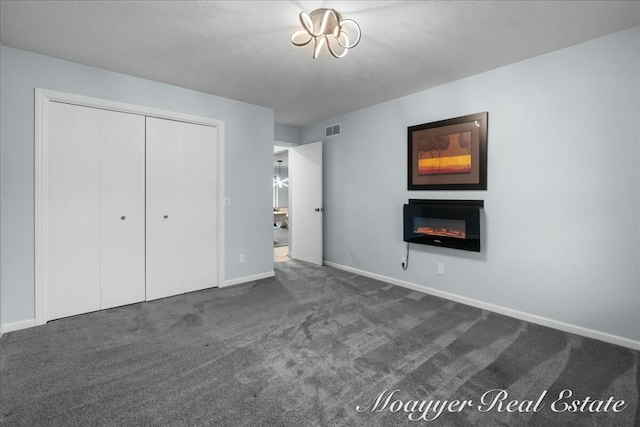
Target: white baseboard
(246, 279)
(566, 327)
(16, 326)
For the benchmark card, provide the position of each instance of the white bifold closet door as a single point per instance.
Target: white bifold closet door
(122, 209)
(200, 207)
(182, 237)
(96, 209)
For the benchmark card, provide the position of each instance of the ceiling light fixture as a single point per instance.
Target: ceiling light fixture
(279, 181)
(326, 26)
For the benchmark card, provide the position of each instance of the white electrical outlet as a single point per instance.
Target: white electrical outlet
(441, 268)
(242, 260)
(404, 260)
(227, 201)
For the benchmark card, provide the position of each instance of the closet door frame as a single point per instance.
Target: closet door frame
(43, 98)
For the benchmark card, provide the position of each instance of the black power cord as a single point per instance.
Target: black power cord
(405, 264)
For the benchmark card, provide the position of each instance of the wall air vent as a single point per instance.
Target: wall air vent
(332, 130)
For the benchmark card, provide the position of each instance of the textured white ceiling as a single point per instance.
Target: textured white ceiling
(241, 49)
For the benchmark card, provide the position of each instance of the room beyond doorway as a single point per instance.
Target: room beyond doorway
(280, 241)
(281, 254)
(281, 196)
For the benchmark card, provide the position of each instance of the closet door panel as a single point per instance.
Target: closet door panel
(201, 208)
(165, 218)
(74, 210)
(123, 209)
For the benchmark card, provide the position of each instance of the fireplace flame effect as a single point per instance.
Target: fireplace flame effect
(441, 232)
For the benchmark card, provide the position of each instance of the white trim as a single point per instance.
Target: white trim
(544, 321)
(43, 97)
(16, 326)
(41, 207)
(105, 104)
(221, 204)
(285, 144)
(246, 279)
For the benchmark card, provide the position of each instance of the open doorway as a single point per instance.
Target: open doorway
(281, 195)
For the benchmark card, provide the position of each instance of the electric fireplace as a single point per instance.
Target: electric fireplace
(449, 223)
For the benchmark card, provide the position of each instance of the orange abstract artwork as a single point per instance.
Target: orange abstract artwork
(445, 154)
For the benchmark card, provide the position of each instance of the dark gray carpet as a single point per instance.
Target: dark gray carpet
(302, 349)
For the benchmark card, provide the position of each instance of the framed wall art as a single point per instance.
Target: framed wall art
(448, 154)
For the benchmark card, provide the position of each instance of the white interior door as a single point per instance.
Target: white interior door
(165, 210)
(122, 236)
(74, 210)
(200, 207)
(305, 166)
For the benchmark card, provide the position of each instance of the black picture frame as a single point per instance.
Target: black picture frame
(448, 154)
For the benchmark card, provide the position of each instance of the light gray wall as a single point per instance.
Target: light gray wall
(561, 211)
(248, 162)
(287, 133)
